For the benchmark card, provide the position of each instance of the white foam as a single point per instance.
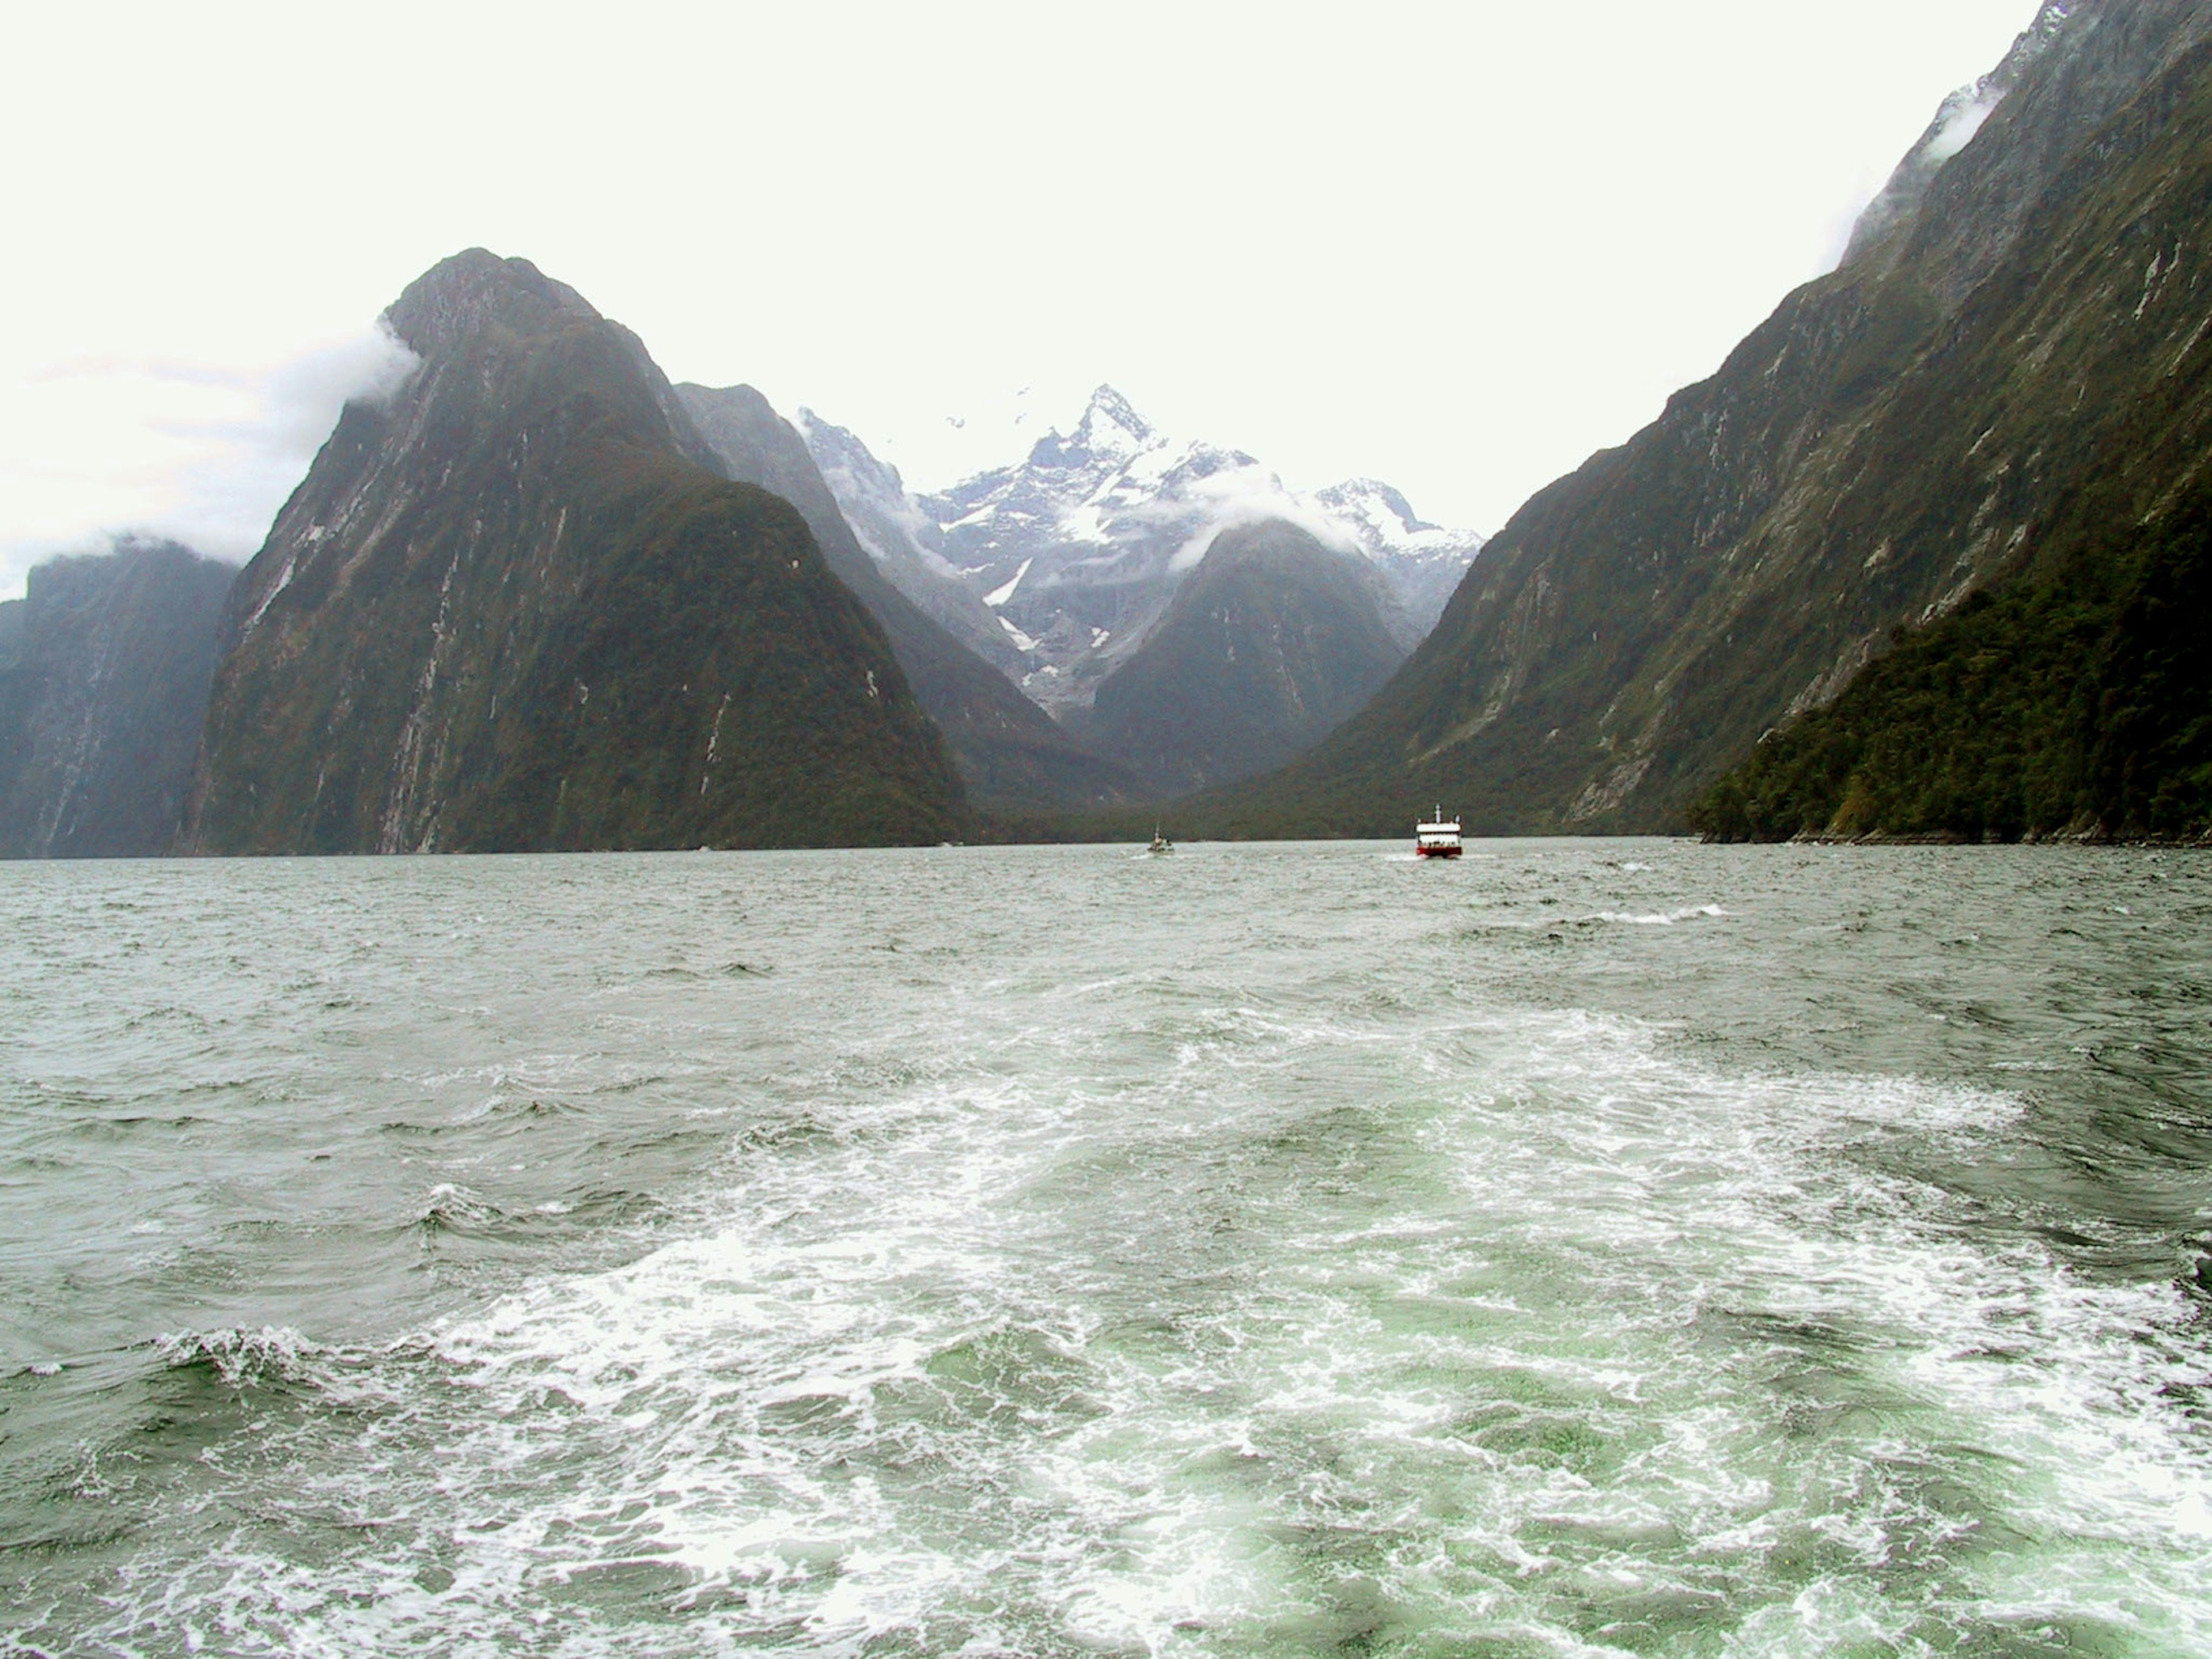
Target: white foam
(1659, 917)
(1137, 1317)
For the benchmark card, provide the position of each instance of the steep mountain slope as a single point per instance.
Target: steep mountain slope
(907, 544)
(1078, 548)
(1897, 435)
(2073, 695)
(104, 670)
(511, 609)
(1009, 752)
(1269, 643)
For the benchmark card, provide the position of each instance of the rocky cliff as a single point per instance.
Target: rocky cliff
(1897, 437)
(513, 609)
(104, 670)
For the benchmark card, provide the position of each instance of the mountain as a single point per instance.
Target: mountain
(2072, 695)
(511, 608)
(1076, 546)
(1077, 549)
(1424, 563)
(907, 545)
(1009, 752)
(104, 670)
(2015, 336)
(1265, 648)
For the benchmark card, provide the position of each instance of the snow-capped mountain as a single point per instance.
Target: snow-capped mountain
(1423, 562)
(1078, 548)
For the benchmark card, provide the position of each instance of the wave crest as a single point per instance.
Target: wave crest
(242, 1358)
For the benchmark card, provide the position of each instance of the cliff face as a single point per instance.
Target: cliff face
(512, 610)
(1267, 645)
(104, 670)
(2072, 694)
(1009, 751)
(1896, 436)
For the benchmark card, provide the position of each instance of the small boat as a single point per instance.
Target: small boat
(1160, 842)
(1437, 839)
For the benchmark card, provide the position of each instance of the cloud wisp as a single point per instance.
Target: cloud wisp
(203, 454)
(1253, 494)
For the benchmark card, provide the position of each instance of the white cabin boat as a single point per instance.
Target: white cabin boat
(1160, 842)
(1437, 839)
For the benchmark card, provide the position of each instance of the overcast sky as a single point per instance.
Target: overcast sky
(1456, 246)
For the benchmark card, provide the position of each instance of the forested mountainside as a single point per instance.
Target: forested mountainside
(1009, 751)
(1270, 643)
(2072, 696)
(104, 670)
(511, 608)
(2012, 348)
(2072, 699)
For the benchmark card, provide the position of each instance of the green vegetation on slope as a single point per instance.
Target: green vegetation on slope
(506, 613)
(1898, 434)
(2074, 703)
(707, 686)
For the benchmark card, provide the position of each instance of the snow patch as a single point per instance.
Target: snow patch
(998, 596)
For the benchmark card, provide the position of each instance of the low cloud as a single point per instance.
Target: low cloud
(202, 454)
(1961, 121)
(257, 459)
(1956, 123)
(1252, 495)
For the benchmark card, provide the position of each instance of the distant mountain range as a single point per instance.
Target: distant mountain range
(1009, 753)
(539, 597)
(2003, 396)
(1070, 556)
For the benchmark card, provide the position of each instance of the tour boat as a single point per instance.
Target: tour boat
(1439, 839)
(1160, 842)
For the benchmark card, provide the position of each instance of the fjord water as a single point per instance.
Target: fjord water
(1590, 1247)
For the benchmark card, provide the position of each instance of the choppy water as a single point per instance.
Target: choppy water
(1591, 1247)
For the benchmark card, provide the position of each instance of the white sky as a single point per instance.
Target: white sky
(1457, 246)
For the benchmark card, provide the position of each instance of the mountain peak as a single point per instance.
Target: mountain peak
(1111, 425)
(475, 289)
(606, 617)
(1354, 494)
